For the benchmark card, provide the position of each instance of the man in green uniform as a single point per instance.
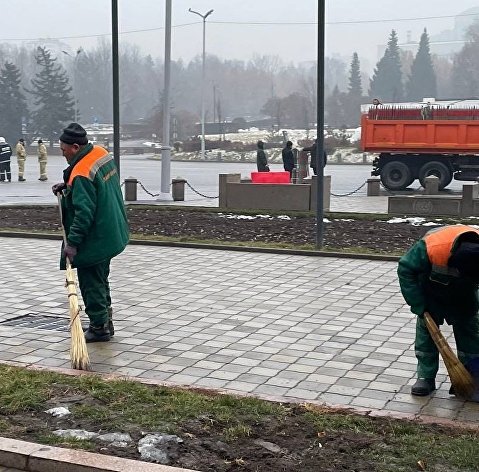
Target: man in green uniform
(95, 224)
(440, 275)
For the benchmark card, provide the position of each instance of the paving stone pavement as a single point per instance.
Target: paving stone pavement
(320, 329)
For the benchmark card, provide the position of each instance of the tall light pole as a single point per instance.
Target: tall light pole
(75, 61)
(320, 128)
(115, 65)
(203, 77)
(165, 145)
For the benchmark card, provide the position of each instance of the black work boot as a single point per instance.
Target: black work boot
(97, 334)
(110, 321)
(423, 387)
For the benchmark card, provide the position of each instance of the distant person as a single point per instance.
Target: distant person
(5, 158)
(440, 275)
(376, 103)
(21, 157)
(288, 158)
(426, 112)
(313, 151)
(261, 160)
(42, 160)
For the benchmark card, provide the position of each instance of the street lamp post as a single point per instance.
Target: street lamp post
(203, 80)
(165, 146)
(320, 127)
(75, 61)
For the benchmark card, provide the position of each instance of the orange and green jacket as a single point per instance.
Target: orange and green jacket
(429, 284)
(94, 215)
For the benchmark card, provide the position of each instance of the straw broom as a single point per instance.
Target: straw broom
(461, 379)
(78, 350)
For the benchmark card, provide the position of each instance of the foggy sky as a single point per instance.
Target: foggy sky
(88, 20)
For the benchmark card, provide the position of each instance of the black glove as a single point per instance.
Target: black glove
(58, 188)
(70, 252)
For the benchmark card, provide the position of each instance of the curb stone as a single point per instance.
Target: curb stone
(220, 247)
(31, 457)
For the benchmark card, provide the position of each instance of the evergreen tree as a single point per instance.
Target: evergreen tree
(334, 108)
(352, 106)
(355, 88)
(422, 81)
(386, 84)
(465, 72)
(13, 107)
(52, 97)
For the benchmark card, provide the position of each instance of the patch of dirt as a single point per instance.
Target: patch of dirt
(291, 444)
(377, 236)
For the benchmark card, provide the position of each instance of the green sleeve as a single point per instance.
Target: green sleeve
(84, 202)
(414, 267)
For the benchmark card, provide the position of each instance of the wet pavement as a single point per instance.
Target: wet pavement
(323, 329)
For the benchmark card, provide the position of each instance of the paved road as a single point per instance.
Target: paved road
(203, 176)
(310, 328)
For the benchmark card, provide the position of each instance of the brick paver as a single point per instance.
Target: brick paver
(318, 329)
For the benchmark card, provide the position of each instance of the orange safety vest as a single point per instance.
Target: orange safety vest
(439, 244)
(89, 165)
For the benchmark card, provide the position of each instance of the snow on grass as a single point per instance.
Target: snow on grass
(253, 217)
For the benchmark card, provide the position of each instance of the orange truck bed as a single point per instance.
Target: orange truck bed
(420, 136)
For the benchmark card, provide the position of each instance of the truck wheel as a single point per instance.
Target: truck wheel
(439, 169)
(396, 175)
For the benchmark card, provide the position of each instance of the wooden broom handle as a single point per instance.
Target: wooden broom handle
(434, 331)
(59, 197)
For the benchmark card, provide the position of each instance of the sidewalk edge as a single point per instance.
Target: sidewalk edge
(221, 247)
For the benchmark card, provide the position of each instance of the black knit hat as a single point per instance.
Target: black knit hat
(74, 134)
(466, 259)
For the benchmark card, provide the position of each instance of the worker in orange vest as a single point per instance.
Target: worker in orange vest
(440, 275)
(95, 223)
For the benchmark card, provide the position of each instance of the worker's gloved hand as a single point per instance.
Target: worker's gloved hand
(58, 188)
(70, 252)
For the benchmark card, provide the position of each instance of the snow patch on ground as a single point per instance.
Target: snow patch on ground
(251, 217)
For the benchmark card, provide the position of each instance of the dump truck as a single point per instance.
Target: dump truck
(416, 140)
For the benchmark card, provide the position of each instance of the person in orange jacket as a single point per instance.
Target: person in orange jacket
(440, 275)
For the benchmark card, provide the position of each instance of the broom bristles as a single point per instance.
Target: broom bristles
(461, 378)
(78, 350)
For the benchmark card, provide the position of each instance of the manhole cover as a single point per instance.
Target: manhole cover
(32, 320)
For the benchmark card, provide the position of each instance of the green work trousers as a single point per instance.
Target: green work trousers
(95, 291)
(466, 334)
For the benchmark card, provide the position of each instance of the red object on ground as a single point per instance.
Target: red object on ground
(270, 177)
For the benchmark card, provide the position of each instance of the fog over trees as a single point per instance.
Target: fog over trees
(39, 86)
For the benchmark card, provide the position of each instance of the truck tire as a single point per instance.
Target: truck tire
(396, 175)
(439, 169)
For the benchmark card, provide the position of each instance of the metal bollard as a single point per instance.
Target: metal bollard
(178, 189)
(373, 186)
(131, 189)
